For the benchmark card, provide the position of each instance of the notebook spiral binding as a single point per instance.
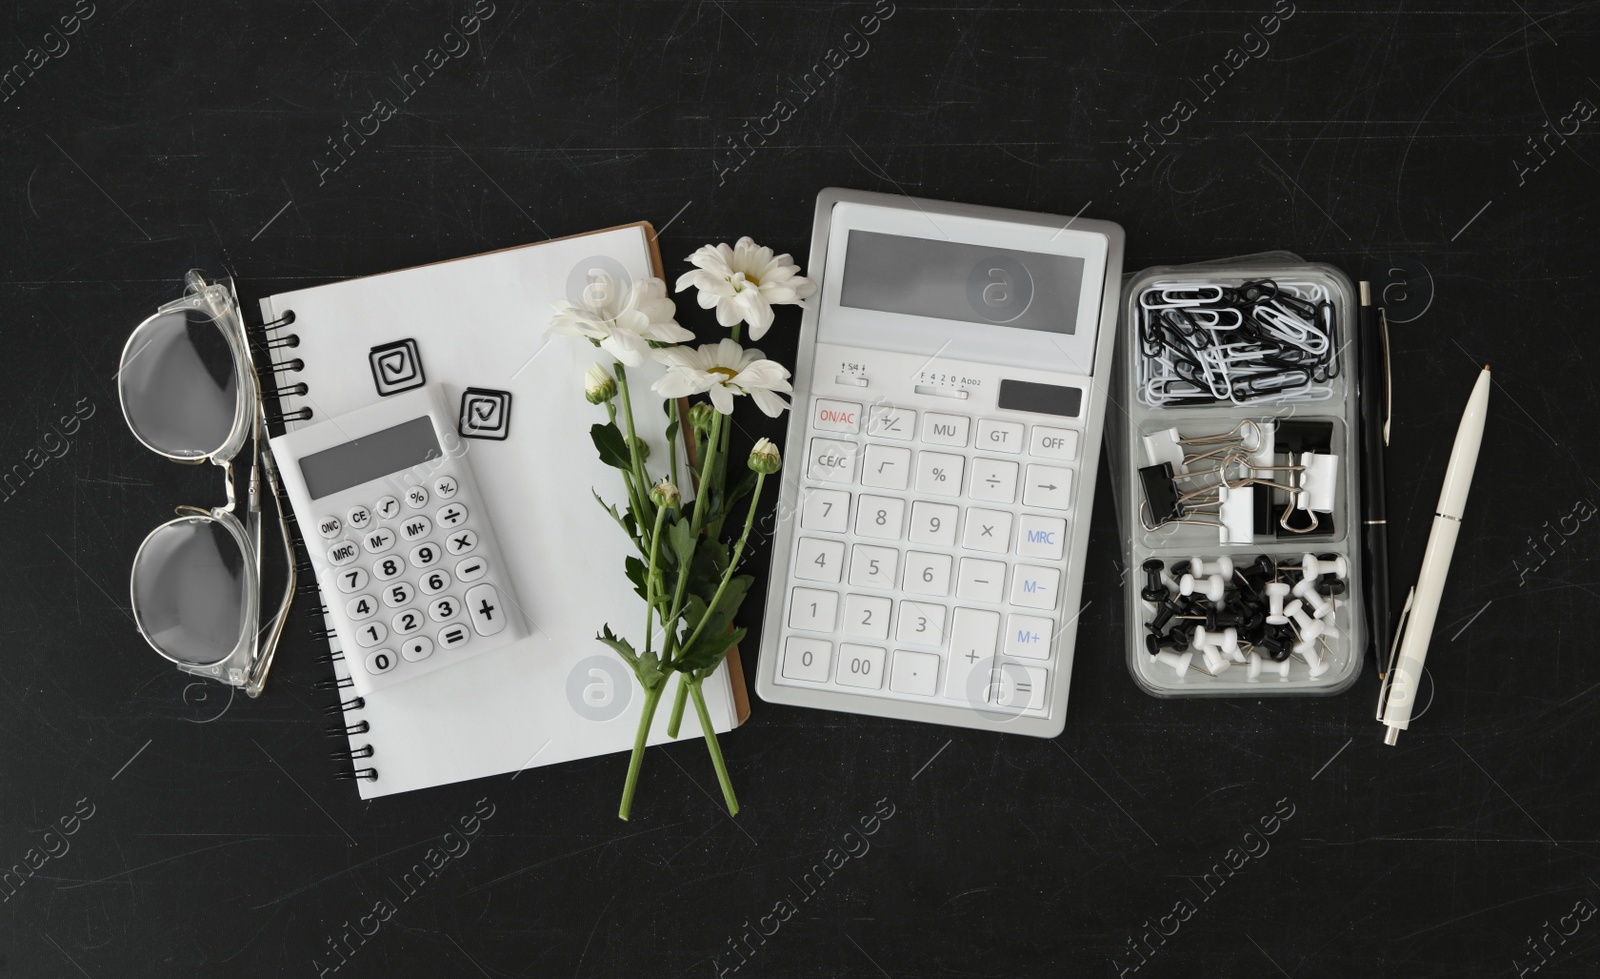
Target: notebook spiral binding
(268, 342)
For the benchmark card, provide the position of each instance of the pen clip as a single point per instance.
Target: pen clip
(1388, 381)
(1394, 649)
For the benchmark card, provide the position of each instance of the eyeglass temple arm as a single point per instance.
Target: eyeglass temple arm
(269, 645)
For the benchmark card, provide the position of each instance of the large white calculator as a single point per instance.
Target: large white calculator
(406, 561)
(950, 392)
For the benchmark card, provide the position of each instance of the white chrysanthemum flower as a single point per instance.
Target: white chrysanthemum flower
(724, 370)
(623, 323)
(744, 283)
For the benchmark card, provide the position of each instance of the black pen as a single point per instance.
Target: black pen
(1374, 398)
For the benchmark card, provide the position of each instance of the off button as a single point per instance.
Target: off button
(835, 416)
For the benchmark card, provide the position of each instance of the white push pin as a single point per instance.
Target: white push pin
(1230, 644)
(1178, 661)
(1221, 566)
(1308, 651)
(1213, 647)
(1277, 591)
(1259, 662)
(1213, 587)
(1309, 628)
(1215, 661)
(1314, 567)
(1306, 590)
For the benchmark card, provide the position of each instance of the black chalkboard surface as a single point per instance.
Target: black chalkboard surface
(1448, 153)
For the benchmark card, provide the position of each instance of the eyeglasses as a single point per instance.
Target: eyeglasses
(190, 392)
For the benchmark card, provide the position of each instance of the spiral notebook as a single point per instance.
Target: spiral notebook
(479, 323)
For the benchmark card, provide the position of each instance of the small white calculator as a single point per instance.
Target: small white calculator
(950, 392)
(404, 555)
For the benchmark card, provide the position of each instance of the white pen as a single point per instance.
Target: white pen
(1398, 694)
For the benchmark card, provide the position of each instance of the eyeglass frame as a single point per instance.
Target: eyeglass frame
(246, 666)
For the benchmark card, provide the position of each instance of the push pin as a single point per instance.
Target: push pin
(1154, 643)
(1277, 591)
(1258, 662)
(1154, 591)
(1314, 567)
(1214, 587)
(1306, 590)
(1308, 627)
(1221, 566)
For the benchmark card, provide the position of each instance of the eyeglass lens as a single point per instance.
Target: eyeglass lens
(180, 387)
(190, 588)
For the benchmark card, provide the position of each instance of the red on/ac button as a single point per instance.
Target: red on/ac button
(835, 416)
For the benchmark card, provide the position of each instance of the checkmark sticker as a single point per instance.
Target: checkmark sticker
(396, 367)
(485, 414)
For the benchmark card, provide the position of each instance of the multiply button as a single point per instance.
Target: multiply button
(835, 416)
(460, 543)
(483, 601)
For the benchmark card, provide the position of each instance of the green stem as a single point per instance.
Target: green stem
(634, 490)
(702, 493)
(714, 748)
(646, 718)
(650, 578)
(733, 561)
(679, 701)
(633, 445)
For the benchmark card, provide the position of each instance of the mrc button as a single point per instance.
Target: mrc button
(835, 416)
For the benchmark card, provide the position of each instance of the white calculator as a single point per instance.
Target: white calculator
(950, 392)
(404, 555)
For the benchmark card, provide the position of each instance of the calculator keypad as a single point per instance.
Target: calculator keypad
(927, 561)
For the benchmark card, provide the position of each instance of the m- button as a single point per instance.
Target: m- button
(835, 416)
(1053, 443)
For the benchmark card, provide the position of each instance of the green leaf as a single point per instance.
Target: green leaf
(613, 448)
(637, 572)
(708, 653)
(681, 538)
(607, 507)
(623, 648)
(741, 488)
(649, 671)
(713, 641)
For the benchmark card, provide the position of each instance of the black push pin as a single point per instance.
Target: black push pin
(1154, 591)
(1176, 640)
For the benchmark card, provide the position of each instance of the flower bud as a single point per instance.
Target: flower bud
(701, 415)
(664, 494)
(641, 448)
(598, 385)
(764, 457)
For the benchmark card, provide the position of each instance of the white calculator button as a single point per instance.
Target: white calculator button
(933, 523)
(379, 661)
(398, 594)
(866, 617)
(914, 673)
(880, 517)
(835, 416)
(827, 510)
(921, 624)
(378, 541)
(860, 666)
(987, 530)
(813, 610)
(389, 567)
(407, 621)
(415, 527)
(425, 554)
(1035, 587)
(927, 574)
(807, 659)
(416, 497)
(886, 467)
(472, 569)
(993, 481)
(458, 542)
(361, 607)
(358, 517)
(1041, 537)
(352, 580)
(873, 566)
(371, 634)
(884, 422)
(435, 582)
(940, 429)
(483, 601)
(1000, 436)
(445, 487)
(972, 643)
(329, 526)
(980, 581)
(1048, 487)
(387, 507)
(1019, 687)
(453, 515)
(452, 636)
(939, 473)
(832, 461)
(1029, 636)
(443, 608)
(416, 649)
(819, 560)
(1053, 443)
(343, 553)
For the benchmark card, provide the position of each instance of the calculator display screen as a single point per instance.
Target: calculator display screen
(955, 280)
(370, 457)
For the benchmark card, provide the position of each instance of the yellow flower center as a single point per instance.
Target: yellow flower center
(727, 372)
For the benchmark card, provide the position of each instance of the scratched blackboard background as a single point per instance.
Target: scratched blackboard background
(1446, 154)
